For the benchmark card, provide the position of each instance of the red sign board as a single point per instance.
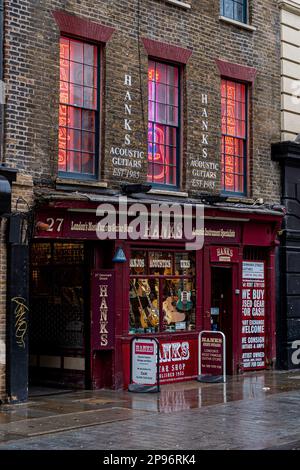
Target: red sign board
(224, 254)
(178, 360)
(103, 291)
(212, 352)
(253, 315)
(58, 224)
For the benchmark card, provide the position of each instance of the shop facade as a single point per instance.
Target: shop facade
(86, 306)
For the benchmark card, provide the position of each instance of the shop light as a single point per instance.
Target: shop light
(119, 256)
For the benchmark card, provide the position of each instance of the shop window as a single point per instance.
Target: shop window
(234, 136)
(162, 293)
(234, 9)
(163, 124)
(78, 109)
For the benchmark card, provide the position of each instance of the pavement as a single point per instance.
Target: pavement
(250, 412)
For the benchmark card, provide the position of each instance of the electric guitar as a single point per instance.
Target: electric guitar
(143, 316)
(184, 303)
(153, 313)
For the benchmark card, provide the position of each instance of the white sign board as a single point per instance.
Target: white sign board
(144, 361)
(252, 270)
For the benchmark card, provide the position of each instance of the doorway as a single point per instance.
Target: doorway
(222, 308)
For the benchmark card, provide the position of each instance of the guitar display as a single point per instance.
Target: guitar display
(143, 316)
(153, 313)
(184, 303)
(172, 315)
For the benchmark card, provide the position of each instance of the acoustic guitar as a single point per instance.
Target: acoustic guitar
(171, 313)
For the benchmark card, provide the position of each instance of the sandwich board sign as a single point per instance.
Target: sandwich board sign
(144, 374)
(212, 357)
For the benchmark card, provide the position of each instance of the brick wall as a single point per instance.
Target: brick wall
(32, 72)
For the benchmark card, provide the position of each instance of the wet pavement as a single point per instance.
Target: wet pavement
(252, 411)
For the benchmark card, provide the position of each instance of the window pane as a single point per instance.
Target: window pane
(144, 306)
(178, 303)
(163, 103)
(74, 162)
(88, 120)
(88, 142)
(234, 128)
(184, 264)
(88, 164)
(76, 73)
(74, 140)
(161, 73)
(89, 54)
(172, 78)
(138, 263)
(76, 95)
(160, 263)
(78, 90)
(76, 51)
(74, 118)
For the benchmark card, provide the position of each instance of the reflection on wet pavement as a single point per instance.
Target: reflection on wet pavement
(71, 410)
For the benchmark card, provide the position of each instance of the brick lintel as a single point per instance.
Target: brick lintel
(80, 27)
(161, 50)
(236, 71)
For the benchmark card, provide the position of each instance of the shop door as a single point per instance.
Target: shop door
(222, 308)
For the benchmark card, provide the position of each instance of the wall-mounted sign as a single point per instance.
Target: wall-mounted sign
(102, 304)
(144, 365)
(253, 270)
(253, 316)
(224, 254)
(212, 357)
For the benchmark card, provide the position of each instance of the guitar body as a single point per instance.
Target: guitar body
(143, 318)
(153, 316)
(184, 303)
(172, 314)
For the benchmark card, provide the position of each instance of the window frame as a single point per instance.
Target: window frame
(160, 278)
(245, 11)
(245, 141)
(178, 128)
(97, 143)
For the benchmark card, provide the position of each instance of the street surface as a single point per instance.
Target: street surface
(253, 411)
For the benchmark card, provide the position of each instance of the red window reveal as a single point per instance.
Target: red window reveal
(163, 123)
(78, 108)
(234, 136)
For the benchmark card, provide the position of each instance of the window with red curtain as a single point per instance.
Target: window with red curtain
(234, 136)
(163, 123)
(78, 109)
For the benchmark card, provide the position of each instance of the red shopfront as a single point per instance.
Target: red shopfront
(165, 292)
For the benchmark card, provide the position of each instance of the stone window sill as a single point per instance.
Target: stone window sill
(180, 4)
(248, 27)
(73, 182)
(163, 192)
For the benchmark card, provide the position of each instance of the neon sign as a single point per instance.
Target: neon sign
(153, 76)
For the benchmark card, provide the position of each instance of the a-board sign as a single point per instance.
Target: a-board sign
(144, 365)
(212, 357)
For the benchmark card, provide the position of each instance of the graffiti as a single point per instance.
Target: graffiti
(21, 324)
